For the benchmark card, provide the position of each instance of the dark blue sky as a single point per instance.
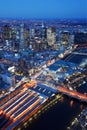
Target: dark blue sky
(43, 8)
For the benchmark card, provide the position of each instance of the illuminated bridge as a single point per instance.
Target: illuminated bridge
(82, 46)
(72, 93)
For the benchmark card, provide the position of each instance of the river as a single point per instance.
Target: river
(60, 116)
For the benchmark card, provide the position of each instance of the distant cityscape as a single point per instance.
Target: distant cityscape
(42, 62)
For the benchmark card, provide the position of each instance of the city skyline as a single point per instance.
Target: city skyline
(43, 73)
(43, 9)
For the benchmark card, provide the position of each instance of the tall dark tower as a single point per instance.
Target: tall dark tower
(80, 38)
(65, 38)
(43, 30)
(21, 45)
(6, 32)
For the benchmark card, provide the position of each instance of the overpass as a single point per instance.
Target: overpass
(72, 93)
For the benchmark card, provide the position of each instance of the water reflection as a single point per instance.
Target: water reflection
(62, 100)
(71, 103)
(81, 106)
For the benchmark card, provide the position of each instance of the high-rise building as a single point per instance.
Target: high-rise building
(71, 39)
(80, 38)
(43, 31)
(6, 32)
(22, 40)
(26, 33)
(1, 37)
(13, 33)
(65, 36)
(51, 36)
(31, 33)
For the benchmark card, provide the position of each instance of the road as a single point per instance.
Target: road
(73, 93)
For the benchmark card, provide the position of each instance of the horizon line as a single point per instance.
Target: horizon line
(32, 18)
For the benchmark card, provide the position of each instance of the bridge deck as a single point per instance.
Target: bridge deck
(73, 93)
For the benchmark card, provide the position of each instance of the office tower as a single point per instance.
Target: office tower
(6, 32)
(22, 40)
(31, 33)
(17, 35)
(43, 31)
(65, 36)
(13, 37)
(26, 33)
(80, 38)
(51, 36)
(31, 40)
(26, 37)
(1, 37)
(13, 33)
(71, 39)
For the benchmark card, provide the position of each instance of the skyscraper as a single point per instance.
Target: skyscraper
(65, 36)
(22, 41)
(43, 31)
(51, 36)
(80, 38)
(31, 33)
(6, 32)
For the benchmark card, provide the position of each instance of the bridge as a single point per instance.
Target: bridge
(82, 46)
(79, 53)
(72, 93)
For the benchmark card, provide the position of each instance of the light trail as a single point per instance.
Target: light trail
(72, 93)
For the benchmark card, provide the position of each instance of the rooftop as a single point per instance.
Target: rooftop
(61, 63)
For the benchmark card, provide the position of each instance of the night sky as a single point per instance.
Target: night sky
(43, 9)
